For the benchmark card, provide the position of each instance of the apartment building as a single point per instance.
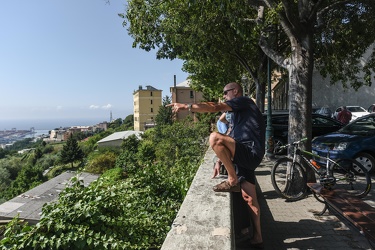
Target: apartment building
(183, 93)
(146, 107)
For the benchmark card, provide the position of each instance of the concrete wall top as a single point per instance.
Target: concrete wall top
(204, 220)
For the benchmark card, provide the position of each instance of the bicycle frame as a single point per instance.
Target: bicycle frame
(302, 153)
(289, 174)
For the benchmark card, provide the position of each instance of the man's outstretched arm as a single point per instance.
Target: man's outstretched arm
(209, 107)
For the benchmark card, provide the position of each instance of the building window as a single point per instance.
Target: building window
(152, 110)
(191, 94)
(151, 101)
(151, 93)
(135, 118)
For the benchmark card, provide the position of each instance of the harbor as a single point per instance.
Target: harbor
(8, 137)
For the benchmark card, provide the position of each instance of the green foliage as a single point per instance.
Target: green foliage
(18, 145)
(4, 180)
(128, 161)
(71, 152)
(114, 174)
(130, 144)
(29, 177)
(341, 42)
(146, 152)
(101, 163)
(13, 165)
(48, 160)
(116, 123)
(128, 123)
(3, 153)
(122, 209)
(218, 46)
(165, 114)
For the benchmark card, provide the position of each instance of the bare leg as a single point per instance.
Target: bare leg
(250, 196)
(224, 147)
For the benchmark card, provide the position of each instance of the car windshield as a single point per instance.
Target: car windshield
(364, 126)
(356, 109)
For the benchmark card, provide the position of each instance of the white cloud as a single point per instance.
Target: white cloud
(108, 106)
(94, 106)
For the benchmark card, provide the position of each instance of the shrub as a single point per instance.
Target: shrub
(132, 211)
(101, 163)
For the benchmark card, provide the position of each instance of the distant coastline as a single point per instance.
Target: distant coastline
(47, 124)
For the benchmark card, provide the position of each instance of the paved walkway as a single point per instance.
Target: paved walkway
(292, 225)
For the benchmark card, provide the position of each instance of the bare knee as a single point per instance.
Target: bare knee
(214, 138)
(248, 199)
(253, 205)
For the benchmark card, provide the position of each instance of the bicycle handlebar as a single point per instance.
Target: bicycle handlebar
(294, 143)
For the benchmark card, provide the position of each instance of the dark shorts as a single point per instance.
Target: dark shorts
(246, 161)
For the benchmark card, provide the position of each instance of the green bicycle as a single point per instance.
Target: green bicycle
(289, 176)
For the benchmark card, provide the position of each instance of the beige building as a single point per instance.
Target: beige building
(183, 93)
(146, 107)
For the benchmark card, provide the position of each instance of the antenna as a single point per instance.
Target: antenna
(110, 117)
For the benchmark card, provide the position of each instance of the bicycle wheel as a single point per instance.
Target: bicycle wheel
(291, 187)
(351, 176)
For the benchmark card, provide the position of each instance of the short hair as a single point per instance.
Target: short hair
(236, 86)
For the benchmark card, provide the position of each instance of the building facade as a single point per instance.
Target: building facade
(183, 93)
(146, 106)
(324, 94)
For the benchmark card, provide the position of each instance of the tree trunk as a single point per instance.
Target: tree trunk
(300, 94)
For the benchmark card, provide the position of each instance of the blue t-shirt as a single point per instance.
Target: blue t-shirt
(247, 123)
(221, 127)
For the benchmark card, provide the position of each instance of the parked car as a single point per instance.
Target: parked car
(322, 111)
(320, 125)
(356, 141)
(371, 109)
(357, 111)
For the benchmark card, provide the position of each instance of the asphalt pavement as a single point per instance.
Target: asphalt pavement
(293, 225)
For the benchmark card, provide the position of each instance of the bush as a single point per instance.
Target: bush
(101, 163)
(121, 210)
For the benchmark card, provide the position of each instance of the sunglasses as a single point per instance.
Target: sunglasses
(226, 91)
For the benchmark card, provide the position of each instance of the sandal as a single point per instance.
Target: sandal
(259, 245)
(226, 187)
(246, 244)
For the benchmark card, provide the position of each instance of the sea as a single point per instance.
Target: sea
(43, 126)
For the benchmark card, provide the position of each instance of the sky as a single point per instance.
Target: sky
(73, 60)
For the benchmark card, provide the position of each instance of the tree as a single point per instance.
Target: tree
(298, 35)
(202, 34)
(165, 114)
(3, 153)
(129, 122)
(115, 123)
(101, 163)
(130, 144)
(71, 152)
